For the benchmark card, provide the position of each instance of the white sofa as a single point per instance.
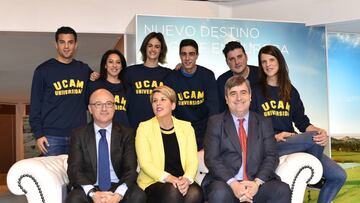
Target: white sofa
(44, 179)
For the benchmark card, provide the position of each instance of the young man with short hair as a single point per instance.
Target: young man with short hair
(195, 87)
(236, 58)
(58, 95)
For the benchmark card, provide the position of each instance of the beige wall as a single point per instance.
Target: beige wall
(92, 16)
(112, 16)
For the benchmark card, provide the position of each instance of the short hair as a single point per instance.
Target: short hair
(236, 81)
(65, 30)
(163, 49)
(189, 42)
(166, 91)
(103, 71)
(231, 46)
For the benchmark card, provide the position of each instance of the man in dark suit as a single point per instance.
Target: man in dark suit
(98, 171)
(233, 135)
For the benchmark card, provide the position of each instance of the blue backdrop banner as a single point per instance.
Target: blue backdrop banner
(304, 49)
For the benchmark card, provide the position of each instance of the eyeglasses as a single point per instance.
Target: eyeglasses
(99, 105)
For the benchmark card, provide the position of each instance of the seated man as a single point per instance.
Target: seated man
(98, 171)
(240, 153)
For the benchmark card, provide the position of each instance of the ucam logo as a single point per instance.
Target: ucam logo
(66, 84)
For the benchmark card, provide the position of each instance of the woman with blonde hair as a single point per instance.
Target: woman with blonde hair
(167, 153)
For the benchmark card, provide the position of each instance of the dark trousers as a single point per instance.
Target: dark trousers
(133, 195)
(167, 193)
(270, 192)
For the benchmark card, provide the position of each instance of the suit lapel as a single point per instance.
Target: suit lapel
(252, 138)
(230, 130)
(115, 147)
(157, 137)
(253, 131)
(91, 146)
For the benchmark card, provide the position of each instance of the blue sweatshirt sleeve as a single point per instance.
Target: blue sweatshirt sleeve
(90, 86)
(212, 98)
(221, 95)
(298, 115)
(36, 100)
(253, 102)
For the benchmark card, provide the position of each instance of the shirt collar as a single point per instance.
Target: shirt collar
(188, 75)
(235, 118)
(107, 128)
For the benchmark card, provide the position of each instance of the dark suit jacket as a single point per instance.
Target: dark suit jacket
(82, 161)
(223, 150)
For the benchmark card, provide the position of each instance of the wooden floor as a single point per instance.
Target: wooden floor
(3, 187)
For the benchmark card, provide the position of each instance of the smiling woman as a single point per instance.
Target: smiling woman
(170, 176)
(143, 78)
(112, 68)
(275, 97)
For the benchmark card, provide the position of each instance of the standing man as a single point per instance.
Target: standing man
(102, 160)
(236, 59)
(195, 87)
(58, 95)
(240, 153)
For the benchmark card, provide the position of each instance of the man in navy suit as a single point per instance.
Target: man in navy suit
(87, 164)
(230, 135)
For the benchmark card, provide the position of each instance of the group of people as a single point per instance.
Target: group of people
(157, 118)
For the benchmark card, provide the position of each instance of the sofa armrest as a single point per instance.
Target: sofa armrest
(298, 170)
(41, 179)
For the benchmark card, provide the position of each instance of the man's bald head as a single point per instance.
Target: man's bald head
(100, 92)
(101, 106)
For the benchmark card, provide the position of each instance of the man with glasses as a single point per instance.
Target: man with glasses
(102, 161)
(58, 96)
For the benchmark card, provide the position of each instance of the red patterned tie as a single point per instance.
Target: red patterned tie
(242, 137)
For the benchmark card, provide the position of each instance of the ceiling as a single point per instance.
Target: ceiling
(231, 1)
(347, 27)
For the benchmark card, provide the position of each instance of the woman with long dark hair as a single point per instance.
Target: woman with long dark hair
(277, 98)
(112, 68)
(143, 78)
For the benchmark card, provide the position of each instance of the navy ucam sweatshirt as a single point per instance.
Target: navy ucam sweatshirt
(58, 94)
(282, 113)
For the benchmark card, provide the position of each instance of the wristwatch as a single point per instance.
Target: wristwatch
(91, 193)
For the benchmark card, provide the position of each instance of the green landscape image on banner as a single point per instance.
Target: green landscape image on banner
(344, 112)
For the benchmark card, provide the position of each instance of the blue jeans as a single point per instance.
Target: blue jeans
(300, 143)
(334, 175)
(57, 145)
